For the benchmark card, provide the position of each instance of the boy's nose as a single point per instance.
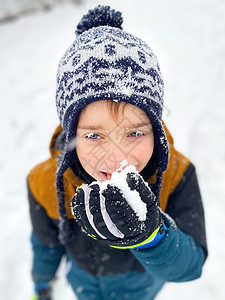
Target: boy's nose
(115, 156)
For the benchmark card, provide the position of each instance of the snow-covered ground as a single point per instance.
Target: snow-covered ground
(189, 39)
(14, 8)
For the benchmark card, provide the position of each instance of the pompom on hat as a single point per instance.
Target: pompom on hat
(106, 63)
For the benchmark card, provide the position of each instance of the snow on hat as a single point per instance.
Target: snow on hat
(106, 63)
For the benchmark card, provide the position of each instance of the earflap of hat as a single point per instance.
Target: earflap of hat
(65, 160)
(162, 148)
(161, 155)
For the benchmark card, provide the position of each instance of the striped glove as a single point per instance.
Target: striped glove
(120, 213)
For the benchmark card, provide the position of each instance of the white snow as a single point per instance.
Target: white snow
(123, 163)
(14, 8)
(189, 39)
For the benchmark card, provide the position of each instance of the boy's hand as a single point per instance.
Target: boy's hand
(44, 293)
(106, 213)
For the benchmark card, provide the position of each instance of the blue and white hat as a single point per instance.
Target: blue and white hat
(107, 63)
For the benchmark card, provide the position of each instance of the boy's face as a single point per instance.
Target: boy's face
(104, 141)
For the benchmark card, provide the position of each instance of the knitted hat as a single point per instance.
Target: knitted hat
(107, 63)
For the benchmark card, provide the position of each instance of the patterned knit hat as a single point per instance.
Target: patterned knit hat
(107, 63)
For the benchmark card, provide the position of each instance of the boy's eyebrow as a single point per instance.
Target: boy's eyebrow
(90, 127)
(99, 127)
(137, 125)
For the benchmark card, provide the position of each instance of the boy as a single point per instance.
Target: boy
(126, 208)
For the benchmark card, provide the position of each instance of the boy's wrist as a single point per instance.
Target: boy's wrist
(152, 243)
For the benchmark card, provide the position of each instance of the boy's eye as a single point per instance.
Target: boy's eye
(137, 134)
(92, 136)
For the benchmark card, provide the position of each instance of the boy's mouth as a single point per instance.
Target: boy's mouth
(105, 175)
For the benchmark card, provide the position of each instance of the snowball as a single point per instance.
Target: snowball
(132, 197)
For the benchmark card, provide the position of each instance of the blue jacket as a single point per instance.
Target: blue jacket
(100, 272)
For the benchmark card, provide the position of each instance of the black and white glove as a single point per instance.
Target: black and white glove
(122, 214)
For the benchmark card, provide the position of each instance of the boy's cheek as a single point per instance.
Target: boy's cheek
(143, 157)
